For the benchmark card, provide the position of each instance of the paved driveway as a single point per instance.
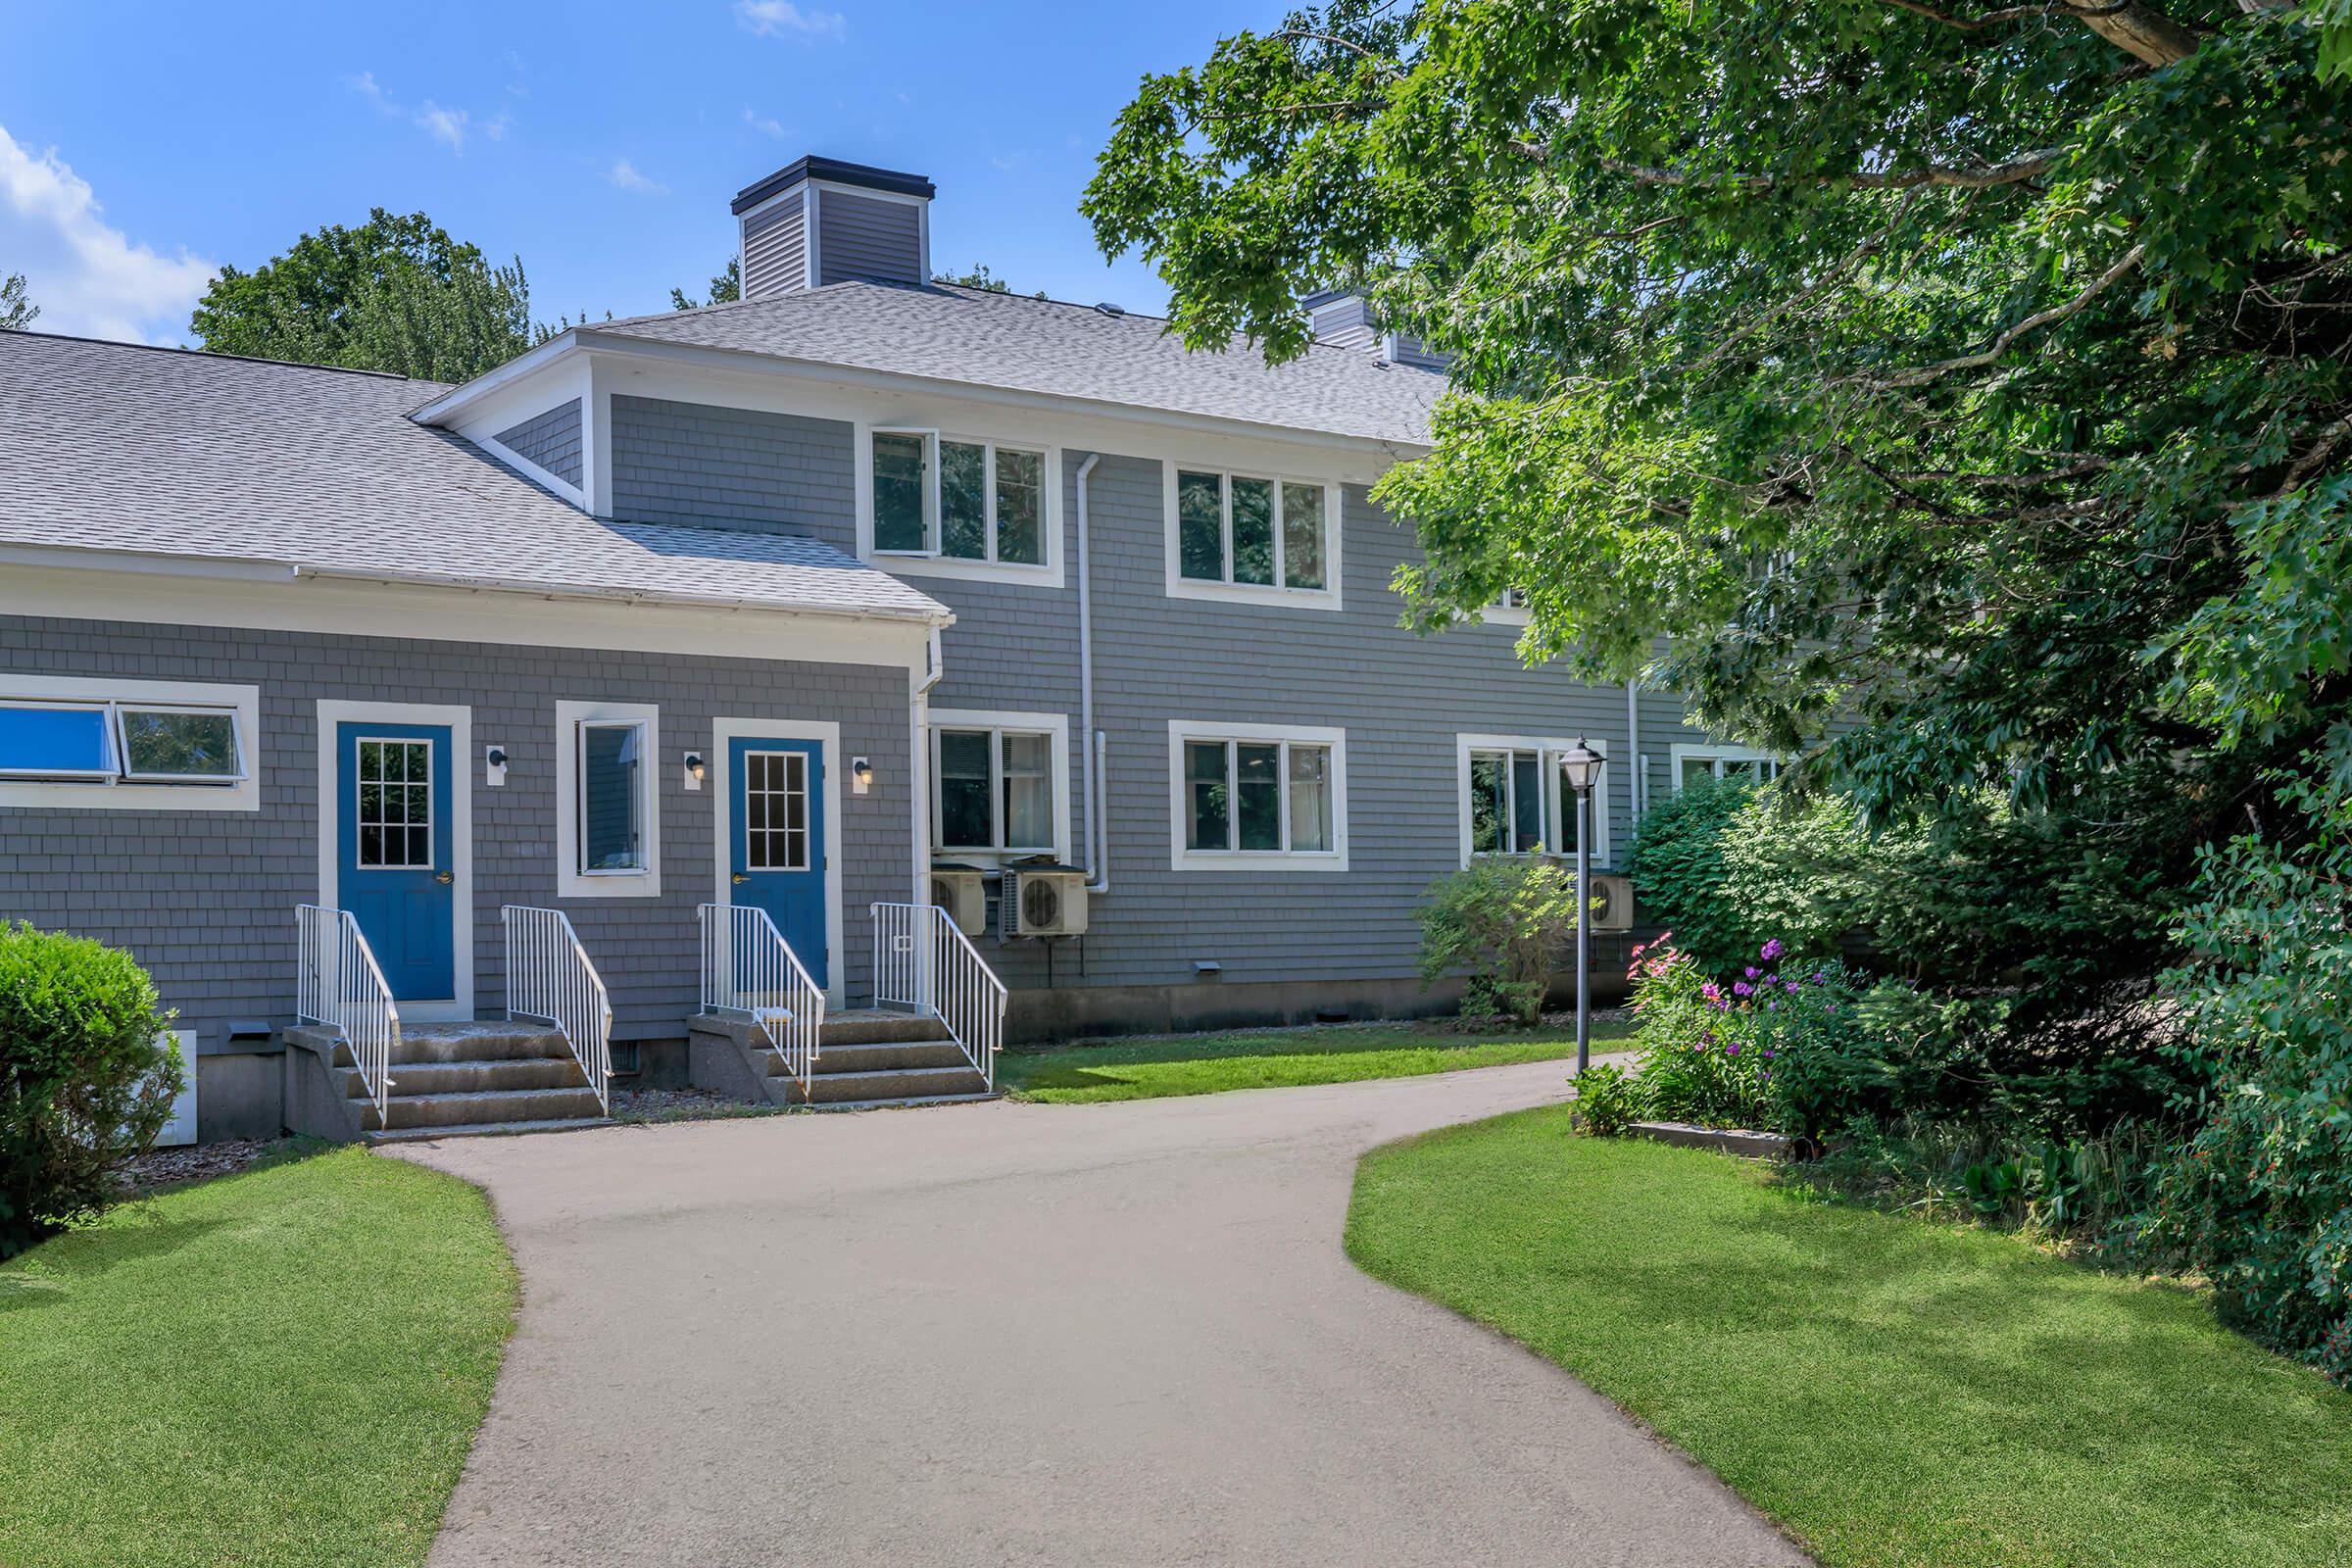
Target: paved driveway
(1029, 1333)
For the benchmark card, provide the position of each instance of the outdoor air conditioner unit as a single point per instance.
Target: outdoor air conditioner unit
(1044, 904)
(1614, 898)
(958, 890)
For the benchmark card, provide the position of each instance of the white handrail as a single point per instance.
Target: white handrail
(749, 967)
(548, 976)
(337, 982)
(922, 960)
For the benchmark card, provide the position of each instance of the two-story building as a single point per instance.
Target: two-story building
(864, 640)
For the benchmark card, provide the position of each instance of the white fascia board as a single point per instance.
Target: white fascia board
(522, 367)
(442, 613)
(742, 361)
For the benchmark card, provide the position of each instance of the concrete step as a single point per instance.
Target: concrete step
(895, 1083)
(482, 1105)
(488, 1129)
(875, 1026)
(908, 1102)
(471, 1077)
(479, 1041)
(833, 1058)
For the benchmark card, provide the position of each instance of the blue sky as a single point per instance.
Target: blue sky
(145, 145)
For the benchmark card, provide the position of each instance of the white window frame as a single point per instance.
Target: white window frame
(1182, 857)
(930, 561)
(1559, 836)
(115, 791)
(571, 880)
(1178, 586)
(1716, 756)
(1056, 727)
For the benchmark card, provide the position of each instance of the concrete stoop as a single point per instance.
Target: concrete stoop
(866, 1058)
(448, 1080)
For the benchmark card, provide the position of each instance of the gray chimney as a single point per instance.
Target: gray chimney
(820, 220)
(1343, 319)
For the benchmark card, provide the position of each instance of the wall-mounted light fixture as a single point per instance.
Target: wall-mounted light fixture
(694, 770)
(862, 774)
(494, 765)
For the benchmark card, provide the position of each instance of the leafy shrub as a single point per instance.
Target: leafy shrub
(2260, 1199)
(1806, 871)
(1679, 871)
(84, 1081)
(1717, 1053)
(1507, 920)
(1608, 1101)
(2079, 1189)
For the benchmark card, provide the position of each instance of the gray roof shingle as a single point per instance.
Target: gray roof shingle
(111, 446)
(1015, 343)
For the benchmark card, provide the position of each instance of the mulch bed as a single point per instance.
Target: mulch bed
(198, 1163)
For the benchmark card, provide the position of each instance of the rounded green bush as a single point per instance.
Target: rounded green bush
(86, 1078)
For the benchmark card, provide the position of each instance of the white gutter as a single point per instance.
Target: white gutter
(1098, 842)
(1635, 768)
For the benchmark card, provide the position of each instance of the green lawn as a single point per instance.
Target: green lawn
(1892, 1391)
(283, 1367)
(1271, 1058)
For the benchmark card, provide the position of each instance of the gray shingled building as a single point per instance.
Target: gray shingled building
(694, 683)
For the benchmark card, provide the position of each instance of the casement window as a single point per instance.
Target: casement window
(1253, 536)
(1257, 794)
(1514, 800)
(1739, 764)
(608, 804)
(128, 743)
(960, 500)
(1000, 783)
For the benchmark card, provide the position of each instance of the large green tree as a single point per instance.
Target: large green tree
(396, 294)
(1973, 374)
(16, 311)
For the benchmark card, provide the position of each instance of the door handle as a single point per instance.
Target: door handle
(445, 878)
(740, 879)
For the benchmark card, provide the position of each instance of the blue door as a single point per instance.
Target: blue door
(779, 840)
(393, 832)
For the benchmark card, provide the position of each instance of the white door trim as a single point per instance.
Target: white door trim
(332, 712)
(724, 732)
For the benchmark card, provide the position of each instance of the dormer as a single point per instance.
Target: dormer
(1343, 319)
(820, 220)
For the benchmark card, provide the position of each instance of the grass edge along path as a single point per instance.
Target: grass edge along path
(1157, 1066)
(1892, 1390)
(285, 1366)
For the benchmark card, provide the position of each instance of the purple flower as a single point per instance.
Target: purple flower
(1792, 987)
(1772, 950)
(1774, 1006)
(1732, 1049)
(1752, 971)
(1743, 988)
(1821, 977)
(1711, 991)
(1768, 1055)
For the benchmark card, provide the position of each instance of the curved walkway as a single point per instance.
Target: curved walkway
(1119, 1334)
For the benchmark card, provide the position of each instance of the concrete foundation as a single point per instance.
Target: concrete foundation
(239, 1094)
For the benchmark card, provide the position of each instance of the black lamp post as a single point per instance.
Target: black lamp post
(1580, 766)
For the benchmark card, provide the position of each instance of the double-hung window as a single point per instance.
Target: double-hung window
(127, 744)
(1256, 795)
(608, 805)
(1515, 801)
(1257, 535)
(999, 781)
(958, 500)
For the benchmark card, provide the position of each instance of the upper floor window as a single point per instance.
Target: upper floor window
(1247, 795)
(1253, 536)
(116, 743)
(998, 783)
(976, 501)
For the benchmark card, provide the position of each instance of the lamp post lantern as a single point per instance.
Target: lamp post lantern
(1580, 766)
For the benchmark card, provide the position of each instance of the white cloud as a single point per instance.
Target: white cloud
(781, 19)
(446, 125)
(623, 174)
(763, 125)
(87, 277)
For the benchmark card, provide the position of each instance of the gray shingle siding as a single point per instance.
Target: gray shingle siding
(206, 899)
(775, 253)
(696, 465)
(1344, 322)
(867, 237)
(552, 440)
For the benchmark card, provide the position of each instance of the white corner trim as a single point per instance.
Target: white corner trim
(245, 795)
(1265, 861)
(724, 732)
(571, 881)
(1335, 531)
(334, 712)
(181, 1128)
(1056, 727)
(1558, 836)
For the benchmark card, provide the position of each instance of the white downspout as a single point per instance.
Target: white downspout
(1636, 766)
(1094, 743)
